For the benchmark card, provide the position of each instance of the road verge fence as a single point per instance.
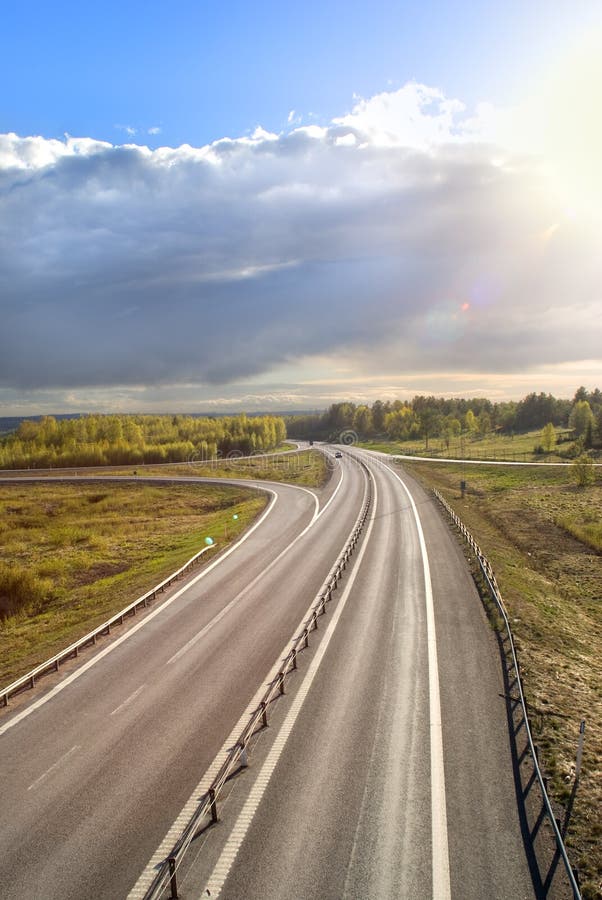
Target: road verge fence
(491, 583)
(53, 664)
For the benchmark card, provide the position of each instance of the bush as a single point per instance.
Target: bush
(22, 592)
(583, 471)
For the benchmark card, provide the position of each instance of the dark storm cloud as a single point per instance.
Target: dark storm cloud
(121, 266)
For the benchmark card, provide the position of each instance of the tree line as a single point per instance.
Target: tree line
(98, 440)
(426, 417)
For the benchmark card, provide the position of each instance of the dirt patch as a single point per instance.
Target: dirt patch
(98, 571)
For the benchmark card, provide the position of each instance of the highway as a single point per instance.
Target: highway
(386, 769)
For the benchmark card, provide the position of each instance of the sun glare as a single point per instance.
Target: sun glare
(570, 129)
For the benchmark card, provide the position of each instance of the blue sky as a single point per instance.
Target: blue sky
(409, 202)
(205, 70)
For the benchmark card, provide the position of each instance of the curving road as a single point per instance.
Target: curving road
(389, 773)
(386, 771)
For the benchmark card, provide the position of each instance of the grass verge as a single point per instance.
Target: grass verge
(497, 447)
(542, 537)
(308, 468)
(72, 555)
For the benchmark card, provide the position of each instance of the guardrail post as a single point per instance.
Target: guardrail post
(173, 883)
(294, 657)
(264, 713)
(213, 804)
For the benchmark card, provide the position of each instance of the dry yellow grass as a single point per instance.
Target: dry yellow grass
(97, 547)
(529, 523)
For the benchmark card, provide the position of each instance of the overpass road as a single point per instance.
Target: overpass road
(386, 770)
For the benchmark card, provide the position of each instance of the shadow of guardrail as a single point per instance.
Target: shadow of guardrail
(541, 828)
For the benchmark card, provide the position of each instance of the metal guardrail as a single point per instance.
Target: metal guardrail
(488, 575)
(53, 664)
(237, 756)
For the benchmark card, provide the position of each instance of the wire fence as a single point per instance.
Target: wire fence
(489, 578)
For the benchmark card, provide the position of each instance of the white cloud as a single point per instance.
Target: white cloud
(399, 239)
(414, 116)
(156, 129)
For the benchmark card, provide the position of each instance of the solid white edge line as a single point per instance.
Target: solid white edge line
(148, 618)
(84, 668)
(334, 493)
(245, 817)
(147, 875)
(440, 849)
(249, 587)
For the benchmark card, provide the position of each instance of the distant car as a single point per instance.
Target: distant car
(338, 455)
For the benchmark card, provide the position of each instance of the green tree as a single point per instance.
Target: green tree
(362, 421)
(401, 424)
(451, 429)
(470, 422)
(484, 423)
(581, 416)
(583, 470)
(548, 437)
(430, 423)
(378, 416)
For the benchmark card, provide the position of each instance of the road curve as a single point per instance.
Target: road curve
(386, 771)
(389, 773)
(93, 778)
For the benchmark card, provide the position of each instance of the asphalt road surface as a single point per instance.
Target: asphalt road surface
(386, 771)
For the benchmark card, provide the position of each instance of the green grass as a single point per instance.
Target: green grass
(516, 448)
(72, 555)
(542, 536)
(93, 548)
(586, 527)
(307, 468)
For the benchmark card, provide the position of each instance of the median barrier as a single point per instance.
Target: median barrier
(237, 756)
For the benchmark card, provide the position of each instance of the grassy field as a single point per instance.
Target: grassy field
(543, 536)
(501, 447)
(308, 468)
(72, 555)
